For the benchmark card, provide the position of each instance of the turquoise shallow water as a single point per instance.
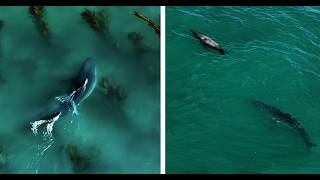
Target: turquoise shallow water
(272, 56)
(106, 136)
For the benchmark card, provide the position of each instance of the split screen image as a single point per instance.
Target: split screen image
(80, 90)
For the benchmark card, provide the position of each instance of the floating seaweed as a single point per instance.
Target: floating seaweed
(105, 84)
(103, 16)
(137, 42)
(38, 13)
(150, 22)
(120, 93)
(117, 93)
(97, 21)
(136, 39)
(81, 163)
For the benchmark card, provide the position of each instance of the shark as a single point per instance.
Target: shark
(286, 118)
(84, 82)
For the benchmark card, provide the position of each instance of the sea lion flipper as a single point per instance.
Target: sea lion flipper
(221, 50)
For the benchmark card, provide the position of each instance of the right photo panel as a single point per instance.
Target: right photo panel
(242, 89)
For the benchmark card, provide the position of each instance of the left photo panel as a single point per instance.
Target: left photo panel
(79, 90)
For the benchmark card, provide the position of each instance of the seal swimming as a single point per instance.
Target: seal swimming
(287, 119)
(84, 82)
(207, 41)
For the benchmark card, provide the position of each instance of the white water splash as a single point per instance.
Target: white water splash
(45, 146)
(50, 123)
(36, 124)
(47, 135)
(62, 99)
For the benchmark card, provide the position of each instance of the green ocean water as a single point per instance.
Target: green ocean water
(106, 136)
(272, 56)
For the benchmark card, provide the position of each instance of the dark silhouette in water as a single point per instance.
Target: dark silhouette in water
(288, 119)
(85, 82)
(207, 41)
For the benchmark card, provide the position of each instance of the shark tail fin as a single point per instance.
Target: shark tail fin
(74, 108)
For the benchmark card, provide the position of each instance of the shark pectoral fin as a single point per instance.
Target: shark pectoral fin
(74, 107)
(63, 98)
(66, 98)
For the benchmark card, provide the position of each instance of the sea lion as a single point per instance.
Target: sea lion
(207, 41)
